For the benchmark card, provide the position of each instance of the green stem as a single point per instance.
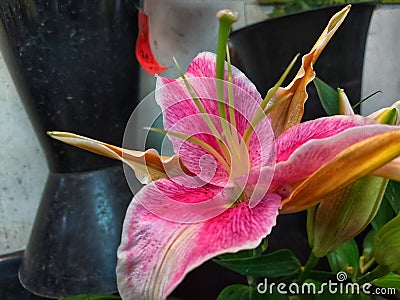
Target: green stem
(230, 90)
(378, 272)
(197, 102)
(226, 18)
(310, 264)
(262, 111)
(251, 281)
(365, 266)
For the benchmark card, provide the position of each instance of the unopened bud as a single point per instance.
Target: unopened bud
(344, 103)
(228, 15)
(388, 116)
(344, 214)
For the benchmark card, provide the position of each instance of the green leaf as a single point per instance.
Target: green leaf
(276, 264)
(392, 195)
(385, 214)
(321, 276)
(247, 253)
(390, 206)
(367, 244)
(324, 293)
(237, 255)
(318, 294)
(360, 296)
(345, 258)
(91, 297)
(328, 96)
(390, 280)
(243, 292)
(239, 292)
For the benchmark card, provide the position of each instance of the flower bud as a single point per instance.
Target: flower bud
(344, 214)
(386, 247)
(388, 116)
(344, 103)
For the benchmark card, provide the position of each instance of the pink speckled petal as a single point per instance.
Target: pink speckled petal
(314, 153)
(356, 161)
(204, 65)
(181, 115)
(321, 128)
(176, 102)
(155, 254)
(186, 199)
(256, 183)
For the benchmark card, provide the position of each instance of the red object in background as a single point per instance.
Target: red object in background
(143, 50)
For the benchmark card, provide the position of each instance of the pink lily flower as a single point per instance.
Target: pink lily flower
(224, 188)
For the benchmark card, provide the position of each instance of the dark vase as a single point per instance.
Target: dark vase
(74, 67)
(264, 50)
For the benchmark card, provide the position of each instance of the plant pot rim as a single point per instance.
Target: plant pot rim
(373, 4)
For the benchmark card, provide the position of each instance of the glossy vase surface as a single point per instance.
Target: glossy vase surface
(75, 70)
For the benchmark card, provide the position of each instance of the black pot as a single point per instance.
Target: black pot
(10, 287)
(264, 50)
(74, 67)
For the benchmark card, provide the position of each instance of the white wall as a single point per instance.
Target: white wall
(382, 59)
(23, 168)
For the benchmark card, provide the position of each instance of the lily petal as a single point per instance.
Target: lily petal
(348, 166)
(378, 112)
(390, 171)
(148, 165)
(176, 102)
(317, 129)
(305, 148)
(155, 254)
(204, 65)
(182, 115)
(290, 112)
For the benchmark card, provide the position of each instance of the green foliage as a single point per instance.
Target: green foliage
(321, 276)
(323, 293)
(390, 280)
(276, 264)
(384, 215)
(368, 242)
(392, 195)
(243, 292)
(345, 258)
(328, 96)
(239, 292)
(247, 253)
(390, 205)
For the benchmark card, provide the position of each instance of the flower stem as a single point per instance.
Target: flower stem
(251, 281)
(310, 264)
(226, 18)
(230, 90)
(378, 272)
